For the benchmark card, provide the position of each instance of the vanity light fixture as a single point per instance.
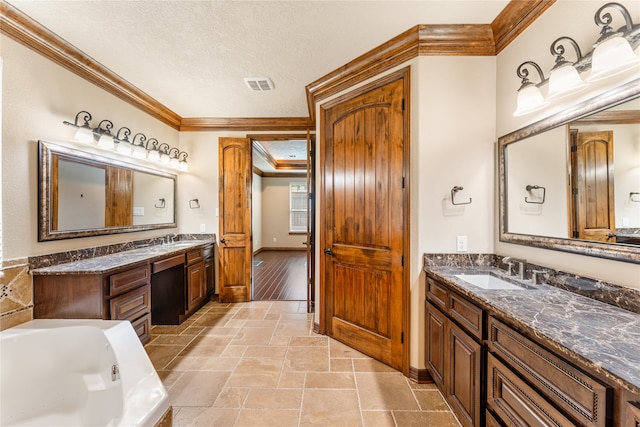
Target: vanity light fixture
(529, 96)
(564, 78)
(84, 133)
(139, 147)
(612, 54)
(139, 150)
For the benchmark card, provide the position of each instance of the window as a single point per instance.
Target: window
(298, 206)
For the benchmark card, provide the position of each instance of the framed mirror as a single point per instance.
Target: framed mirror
(571, 182)
(83, 194)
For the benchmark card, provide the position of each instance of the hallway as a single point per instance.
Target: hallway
(260, 364)
(280, 276)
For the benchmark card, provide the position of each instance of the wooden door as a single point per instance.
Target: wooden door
(235, 251)
(363, 216)
(119, 197)
(592, 176)
(311, 225)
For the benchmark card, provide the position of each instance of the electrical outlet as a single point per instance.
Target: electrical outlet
(203, 228)
(275, 240)
(461, 243)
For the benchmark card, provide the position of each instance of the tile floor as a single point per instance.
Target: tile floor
(260, 364)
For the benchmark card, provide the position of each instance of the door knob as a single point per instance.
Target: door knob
(222, 240)
(328, 251)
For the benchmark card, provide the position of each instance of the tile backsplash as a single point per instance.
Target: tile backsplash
(16, 294)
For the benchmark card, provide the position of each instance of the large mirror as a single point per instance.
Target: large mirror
(84, 194)
(572, 182)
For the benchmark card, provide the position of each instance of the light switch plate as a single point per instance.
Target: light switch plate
(138, 211)
(203, 228)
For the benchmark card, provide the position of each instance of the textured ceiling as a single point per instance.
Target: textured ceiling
(192, 56)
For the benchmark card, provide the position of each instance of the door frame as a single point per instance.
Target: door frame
(309, 176)
(403, 74)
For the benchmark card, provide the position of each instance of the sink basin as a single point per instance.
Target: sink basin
(487, 281)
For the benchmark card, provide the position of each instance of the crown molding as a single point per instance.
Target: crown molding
(514, 19)
(251, 124)
(28, 32)
(421, 40)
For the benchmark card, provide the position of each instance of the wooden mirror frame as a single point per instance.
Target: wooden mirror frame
(614, 251)
(46, 151)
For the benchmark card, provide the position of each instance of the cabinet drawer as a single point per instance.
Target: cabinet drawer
(515, 402)
(437, 294)
(142, 326)
(581, 396)
(131, 305)
(194, 256)
(167, 263)
(467, 314)
(121, 282)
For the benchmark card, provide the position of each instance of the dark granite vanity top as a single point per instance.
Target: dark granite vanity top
(603, 337)
(106, 263)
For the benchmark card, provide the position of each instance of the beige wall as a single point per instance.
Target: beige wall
(275, 214)
(533, 45)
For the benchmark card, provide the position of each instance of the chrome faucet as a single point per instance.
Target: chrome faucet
(170, 238)
(509, 262)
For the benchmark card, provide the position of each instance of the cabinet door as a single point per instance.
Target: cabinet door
(436, 333)
(195, 285)
(209, 276)
(463, 375)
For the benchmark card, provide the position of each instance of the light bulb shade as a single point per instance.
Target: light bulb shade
(529, 100)
(183, 166)
(139, 152)
(106, 142)
(84, 135)
(124, 148)
(564, 80)
(611, 56)
(164, 158)
(174, 162)
(154, 155)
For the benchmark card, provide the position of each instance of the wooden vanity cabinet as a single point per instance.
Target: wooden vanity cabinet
(124, 294)
(454, 350)
(199, 278)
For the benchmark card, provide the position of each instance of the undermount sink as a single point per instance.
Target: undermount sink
(487, 281)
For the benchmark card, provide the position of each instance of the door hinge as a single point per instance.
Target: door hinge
(574, 191)
(576, 234)
(401, 337)
(403, 105)
(311, 153)
(403, 182)
(574, 148)
(402, 261)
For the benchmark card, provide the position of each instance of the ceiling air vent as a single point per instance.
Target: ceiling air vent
(259, 84)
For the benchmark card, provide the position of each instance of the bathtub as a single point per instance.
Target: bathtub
(77, 373)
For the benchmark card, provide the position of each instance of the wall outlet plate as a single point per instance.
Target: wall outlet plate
(203, 228)
(138, 211)
(461, 243)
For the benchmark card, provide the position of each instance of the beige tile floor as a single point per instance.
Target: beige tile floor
(260, 364)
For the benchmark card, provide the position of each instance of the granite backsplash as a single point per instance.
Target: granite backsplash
(609, 293)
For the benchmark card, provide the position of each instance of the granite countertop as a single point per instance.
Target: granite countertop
(106, 263)
(603, 337)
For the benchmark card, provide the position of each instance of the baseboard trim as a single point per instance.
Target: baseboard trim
(316, 327)
(421, 376)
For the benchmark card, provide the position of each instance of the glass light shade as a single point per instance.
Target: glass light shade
(564, 80)
(184, 166)
(174, 162)
(154, 155)
(139, 152)
(612, 56)
(529, 100)
(106, 142)
(84, 135)
(124, 148)
(164, 158)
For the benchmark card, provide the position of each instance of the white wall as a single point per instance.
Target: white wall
(575, 19)
(38, 96)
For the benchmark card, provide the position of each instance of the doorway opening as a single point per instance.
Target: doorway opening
(283, 218)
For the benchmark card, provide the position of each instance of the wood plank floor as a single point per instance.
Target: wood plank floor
(280, 276)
